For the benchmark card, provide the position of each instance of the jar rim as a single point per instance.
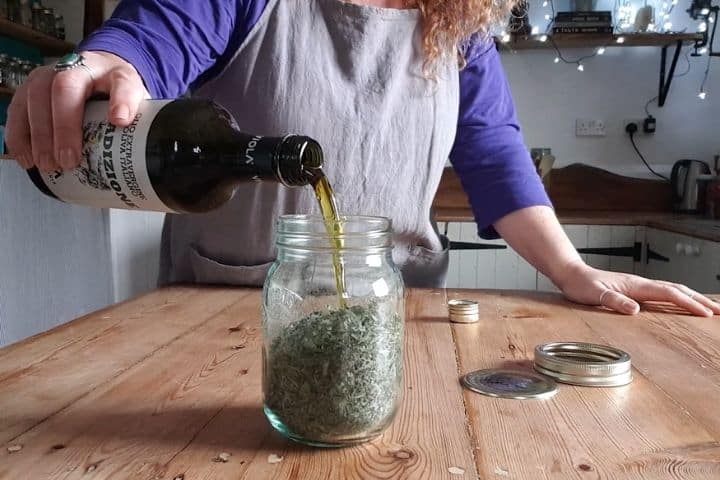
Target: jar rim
(360, 234)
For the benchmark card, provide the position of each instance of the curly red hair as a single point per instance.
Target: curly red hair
(447, 24)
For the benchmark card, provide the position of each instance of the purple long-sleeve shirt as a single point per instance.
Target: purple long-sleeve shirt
(176, 45)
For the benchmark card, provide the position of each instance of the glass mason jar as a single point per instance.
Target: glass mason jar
(332, 365)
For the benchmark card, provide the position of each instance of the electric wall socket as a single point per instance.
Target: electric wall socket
(636, 121)
(585, 127)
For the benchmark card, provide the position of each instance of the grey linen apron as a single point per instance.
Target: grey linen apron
(349, 76)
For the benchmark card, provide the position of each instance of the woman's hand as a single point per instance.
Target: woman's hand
(622, 292)
(44, 126)
(536, 234)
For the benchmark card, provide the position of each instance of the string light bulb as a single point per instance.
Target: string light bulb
(674, 2)
(711, 19)
(702, 95)
(543, 38)
(601, 50)
(545, 3)
(651, 27)
(667, 26)
(557, 60)
(535, 30)
(505, 37)
(580, 67)
(703, 51)
(705, 11)
(702, 27)
(620, 40)
(547, 16)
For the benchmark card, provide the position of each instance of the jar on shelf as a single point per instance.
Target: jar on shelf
(25, 13)
(27, 67)
(4, 9)
(59, 26)
(4, 70)
(37, 18)
(333, 314)
(13, 72)
(13, 10)
(48, 21)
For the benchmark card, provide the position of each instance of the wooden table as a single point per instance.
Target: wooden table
(158, 387)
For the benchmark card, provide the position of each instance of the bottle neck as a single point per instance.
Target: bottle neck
(292, 160)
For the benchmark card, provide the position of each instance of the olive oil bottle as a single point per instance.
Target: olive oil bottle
(182, 156)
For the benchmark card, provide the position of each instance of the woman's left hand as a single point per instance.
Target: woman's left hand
(622, 292)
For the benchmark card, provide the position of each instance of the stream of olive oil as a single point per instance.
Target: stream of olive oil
(333, 226)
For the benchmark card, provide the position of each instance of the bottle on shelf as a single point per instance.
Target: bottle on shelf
(184, 156)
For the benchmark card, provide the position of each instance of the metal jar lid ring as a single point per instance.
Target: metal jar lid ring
(463, 311)
(581, 363)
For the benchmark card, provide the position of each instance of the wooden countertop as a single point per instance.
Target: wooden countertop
(692, 225)
(157, 387)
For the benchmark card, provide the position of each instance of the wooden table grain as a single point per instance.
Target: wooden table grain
(158, 387)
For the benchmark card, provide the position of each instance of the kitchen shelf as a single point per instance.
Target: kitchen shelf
(579, 40)
(6, 92)
(48, 46)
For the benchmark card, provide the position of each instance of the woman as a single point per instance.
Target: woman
(390, 89)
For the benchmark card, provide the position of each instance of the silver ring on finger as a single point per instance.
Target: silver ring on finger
(602, 296)
(72, 61)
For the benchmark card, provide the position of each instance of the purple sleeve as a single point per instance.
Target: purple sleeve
(176, 44)
(489, 155)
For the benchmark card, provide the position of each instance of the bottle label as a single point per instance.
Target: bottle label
(113, 171)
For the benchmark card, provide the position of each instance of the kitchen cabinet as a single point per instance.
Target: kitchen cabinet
(683, 259)
(494, 266)
(616, 248)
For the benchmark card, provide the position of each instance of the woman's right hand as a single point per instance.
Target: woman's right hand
(44, 125)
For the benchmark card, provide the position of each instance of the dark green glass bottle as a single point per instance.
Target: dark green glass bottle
(184, 156)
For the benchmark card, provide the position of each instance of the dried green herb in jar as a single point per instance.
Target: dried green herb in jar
(335, 374)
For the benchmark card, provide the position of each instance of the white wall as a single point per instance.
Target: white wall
(615, 87)
(55, 261)
(135, 247)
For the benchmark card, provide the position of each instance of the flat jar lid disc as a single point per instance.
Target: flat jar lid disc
(502, 383)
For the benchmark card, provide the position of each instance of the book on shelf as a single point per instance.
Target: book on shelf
(581, 25)
(581, 17)
(607, 30)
